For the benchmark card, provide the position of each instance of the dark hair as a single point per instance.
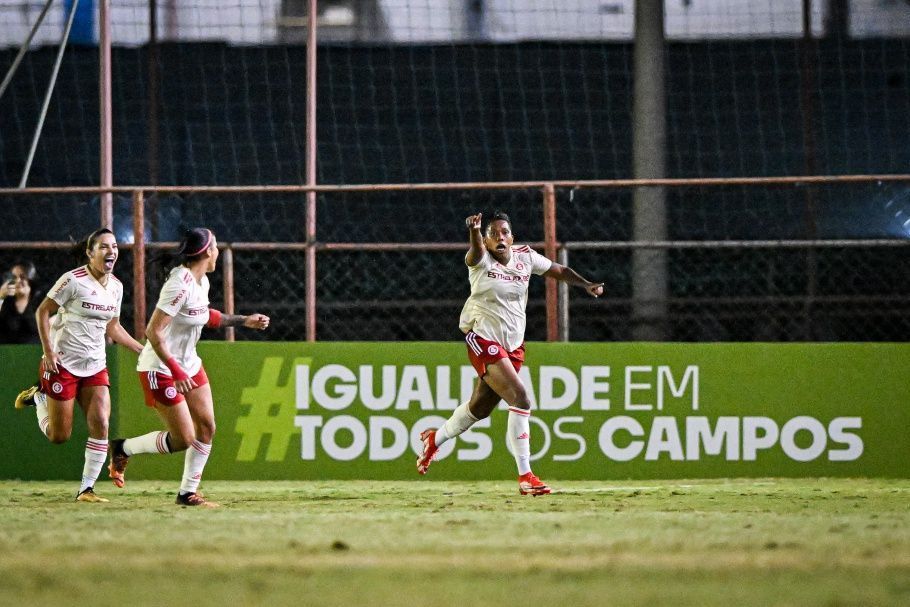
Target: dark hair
(496, 216)
(194, 243)
(28, 268)
(78, 249)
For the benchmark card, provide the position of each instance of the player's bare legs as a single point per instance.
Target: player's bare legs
(95, 402)
(191, 425)
(483, 401)
(59, 424)
(502, 377)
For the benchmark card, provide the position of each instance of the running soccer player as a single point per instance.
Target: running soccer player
(493, 320)
(85, 305)
(171, 372)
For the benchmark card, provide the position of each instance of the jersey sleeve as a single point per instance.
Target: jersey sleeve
(64, 289)
(539, 263)
(173, 295)
(484, 262)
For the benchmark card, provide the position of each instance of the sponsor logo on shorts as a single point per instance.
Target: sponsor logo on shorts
(57, 387)
(170, 392)
(493, 350)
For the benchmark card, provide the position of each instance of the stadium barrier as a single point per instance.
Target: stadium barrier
(601, 411)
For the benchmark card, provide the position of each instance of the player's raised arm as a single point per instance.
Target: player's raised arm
(475, 239)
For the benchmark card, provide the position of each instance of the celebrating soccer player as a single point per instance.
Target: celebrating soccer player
(493, 320)
(85, 305)
(170, 370)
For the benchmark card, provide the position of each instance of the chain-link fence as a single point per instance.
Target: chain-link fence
(821, 262)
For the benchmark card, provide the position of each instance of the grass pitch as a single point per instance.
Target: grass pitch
(718, 542)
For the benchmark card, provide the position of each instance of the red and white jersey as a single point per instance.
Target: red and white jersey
(78, 328)
(187, 303)
(499, 294)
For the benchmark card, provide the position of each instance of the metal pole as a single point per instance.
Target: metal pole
(228, 268)
(310, 291)
(47, 95)
(549, 235)
(104, 88)
(138, 264)
(563, 299)
(152, 120)
(22, 50)
(807, 102)
(649, 267)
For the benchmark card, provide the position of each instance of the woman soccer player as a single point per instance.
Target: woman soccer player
(493, 320)
(85, 305)
(170, 371)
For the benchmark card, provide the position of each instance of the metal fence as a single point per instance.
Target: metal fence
(387, 259)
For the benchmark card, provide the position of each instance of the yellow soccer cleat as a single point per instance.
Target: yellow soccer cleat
(89, 495)
(26, 398)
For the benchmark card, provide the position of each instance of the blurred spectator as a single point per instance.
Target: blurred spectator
(19, 301)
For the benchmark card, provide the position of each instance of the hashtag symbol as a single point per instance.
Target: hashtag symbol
(272, 408)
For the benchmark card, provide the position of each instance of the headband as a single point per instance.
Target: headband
(208, 241)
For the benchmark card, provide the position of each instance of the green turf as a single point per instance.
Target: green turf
(827, 542)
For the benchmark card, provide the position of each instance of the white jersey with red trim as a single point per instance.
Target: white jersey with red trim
(187, 303)
(78, 328)
(495, 309)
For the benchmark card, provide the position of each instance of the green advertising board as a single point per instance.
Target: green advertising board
(600, 411)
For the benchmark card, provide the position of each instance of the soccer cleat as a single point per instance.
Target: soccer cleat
(89, 495)
(26, 398)
(428, 438)
(529, 484)
(194, 499)
(117, 466)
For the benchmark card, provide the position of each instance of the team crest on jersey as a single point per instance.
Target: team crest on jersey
(170, 392)
(57, 387)
(493, 350)
(519, 266)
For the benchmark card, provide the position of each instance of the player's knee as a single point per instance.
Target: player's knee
(58, 437)
(482, 411)
(181, 441)
(520, 398)
(206, 431)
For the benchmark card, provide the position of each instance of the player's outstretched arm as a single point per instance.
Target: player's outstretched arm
(570, 276)
(251, 321)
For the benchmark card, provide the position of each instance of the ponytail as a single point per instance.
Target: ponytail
(194, 244)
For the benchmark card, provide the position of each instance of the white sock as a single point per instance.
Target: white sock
(193, 464)
(519, 431)
(41, 411)
(95, 456)
(460, 421)
(153, 442)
